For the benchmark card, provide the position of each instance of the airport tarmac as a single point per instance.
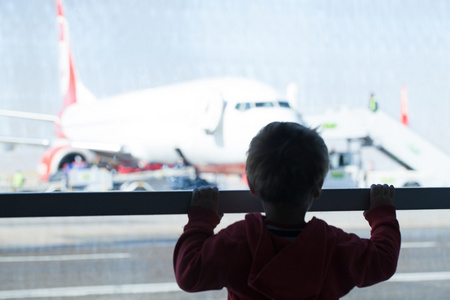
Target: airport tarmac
(56, 231)
(130, 257)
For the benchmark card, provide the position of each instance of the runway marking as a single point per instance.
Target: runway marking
(419, 244)
(420, 276)
(80, 291)
(165, 287)
(68, 257)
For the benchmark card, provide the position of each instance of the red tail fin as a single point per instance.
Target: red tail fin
(67, 70)
(404, 111)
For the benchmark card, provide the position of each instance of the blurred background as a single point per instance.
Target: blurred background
(336, 53)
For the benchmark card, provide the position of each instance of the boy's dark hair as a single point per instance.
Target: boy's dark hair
(286, 161)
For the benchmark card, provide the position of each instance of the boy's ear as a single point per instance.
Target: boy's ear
(316, 193)
(317, 189)
(252, 190)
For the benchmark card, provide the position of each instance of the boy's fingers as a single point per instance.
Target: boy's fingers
(375, 189)
(385, 190)
(208, 191)
(202, 194)
(194, 192)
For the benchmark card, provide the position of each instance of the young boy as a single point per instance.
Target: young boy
(279, 255)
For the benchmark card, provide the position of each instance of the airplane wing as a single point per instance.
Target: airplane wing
(93, 146)
(111, 149)
(28, 115)
(24, 141)
(97, 147)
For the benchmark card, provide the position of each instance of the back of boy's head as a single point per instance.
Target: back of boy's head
(285, 162)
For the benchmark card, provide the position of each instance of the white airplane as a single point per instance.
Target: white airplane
(210, 121)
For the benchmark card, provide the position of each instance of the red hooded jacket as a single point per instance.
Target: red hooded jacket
(323, 262)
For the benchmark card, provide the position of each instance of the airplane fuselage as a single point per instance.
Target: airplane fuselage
(210, 121)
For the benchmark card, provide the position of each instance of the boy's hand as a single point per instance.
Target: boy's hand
(206, 196)
(381, 195)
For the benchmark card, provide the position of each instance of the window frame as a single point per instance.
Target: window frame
(24, 205)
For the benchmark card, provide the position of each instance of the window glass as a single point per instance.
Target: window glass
(131, 257)
(144, 90)
(371, 76)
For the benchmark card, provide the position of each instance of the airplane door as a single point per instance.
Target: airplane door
(211, 113)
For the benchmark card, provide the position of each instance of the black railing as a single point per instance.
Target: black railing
(177, 202)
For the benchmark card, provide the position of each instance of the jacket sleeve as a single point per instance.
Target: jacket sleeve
(195, 266)
(374, 260)
(385, 243)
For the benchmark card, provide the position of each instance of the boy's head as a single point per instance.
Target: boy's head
(286, 163)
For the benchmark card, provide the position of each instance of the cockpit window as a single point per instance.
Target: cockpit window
(243, 106)
(284, 104)
(264, 104)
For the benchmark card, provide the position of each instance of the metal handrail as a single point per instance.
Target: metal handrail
(177, 202)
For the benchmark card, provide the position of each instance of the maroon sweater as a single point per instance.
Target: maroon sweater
(323, 262)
